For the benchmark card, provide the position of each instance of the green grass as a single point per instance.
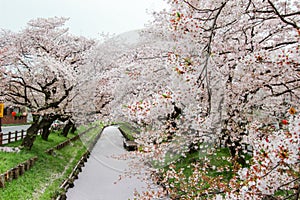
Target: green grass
(219, 168)
(10, 160)
(42, 181)
(129, 131)
(214, 161)
(221, 159)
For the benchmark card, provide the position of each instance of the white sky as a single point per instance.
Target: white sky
(87, 17)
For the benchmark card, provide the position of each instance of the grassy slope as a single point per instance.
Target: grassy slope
(128, 130)
(43, 180)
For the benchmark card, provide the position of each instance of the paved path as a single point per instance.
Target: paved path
(99, 179)
(6, 129)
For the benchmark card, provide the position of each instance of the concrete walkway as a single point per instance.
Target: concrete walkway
(6, 129)
(103, 177)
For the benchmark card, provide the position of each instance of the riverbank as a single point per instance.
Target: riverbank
(111, 172)
(42, 181)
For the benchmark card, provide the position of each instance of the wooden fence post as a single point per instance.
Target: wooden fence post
(2, 181)
(21, 169)
(16, 172)
(1, 138)
(9, 137)
(22, 134)
(16, 136)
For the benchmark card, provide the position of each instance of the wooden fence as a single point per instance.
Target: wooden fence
(17, 171)
(9, 137)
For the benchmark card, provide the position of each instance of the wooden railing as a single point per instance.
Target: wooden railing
(9, 137)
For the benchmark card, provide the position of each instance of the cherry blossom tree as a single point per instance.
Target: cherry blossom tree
(236, 61)
(246, 52)
(241, 49)
(42, 65)
(275, 164)
(103, 68)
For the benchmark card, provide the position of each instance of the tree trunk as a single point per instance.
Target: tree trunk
(235, 149)
(46, 132)
(73, 128)
(45, 125)
(66, 129)
(31, 134)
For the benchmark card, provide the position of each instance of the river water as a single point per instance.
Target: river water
(107, 175)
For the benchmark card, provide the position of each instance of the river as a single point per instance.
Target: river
(108, 174)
